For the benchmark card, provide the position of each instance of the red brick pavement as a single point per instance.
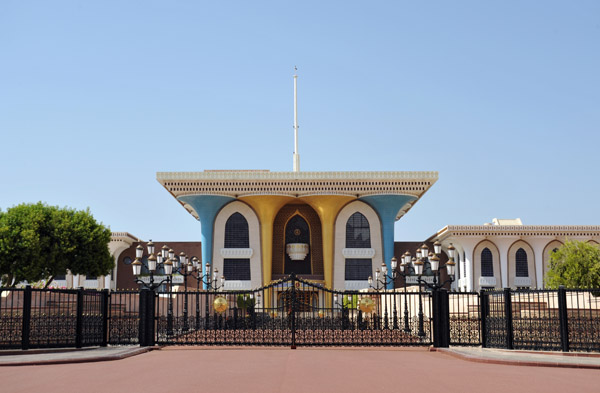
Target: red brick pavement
(247, 370)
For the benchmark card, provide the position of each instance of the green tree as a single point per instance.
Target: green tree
(575, 264)
(39, 242)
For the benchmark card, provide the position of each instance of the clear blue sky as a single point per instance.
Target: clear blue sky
(502, 98)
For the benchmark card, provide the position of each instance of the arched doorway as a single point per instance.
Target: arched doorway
(297, 223)
(297, 232)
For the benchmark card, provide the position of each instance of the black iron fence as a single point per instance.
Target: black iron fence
(294, 312)
(555, 320)
(50, 318)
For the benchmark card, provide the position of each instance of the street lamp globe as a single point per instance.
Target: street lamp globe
(418, 265)
(168, 266)
(137, 267)
(152, 263)
(451, 251)
(434, 262)
(451, 268)
(150, 246)
(139, 251)
(437, 247)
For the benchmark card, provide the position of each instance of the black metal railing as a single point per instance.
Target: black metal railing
(295, 312)
(554, 320)
(50, 318)
(465, 318)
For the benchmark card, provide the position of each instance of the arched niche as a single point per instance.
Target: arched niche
(341, 253)
(310, 216)
(220, 252)
(554, 244)
(484, 282)
(527, 252)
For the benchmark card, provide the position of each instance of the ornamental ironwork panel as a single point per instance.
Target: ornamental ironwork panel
(495, 321)
(583, 319)
(53, 318)
(535, 320)
(123, 318)
(11, 317)
(92, 319)
(465, 318)
(294, 312)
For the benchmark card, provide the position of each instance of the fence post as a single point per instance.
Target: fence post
(104, 304)
(441, 319)
(293, 312)
(79, 319)
(142, 313)
(150, 314)
(563, 318)
(26, 318)
(484, 310)
(508, 318)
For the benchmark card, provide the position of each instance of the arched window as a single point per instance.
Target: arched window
(358, 233)
(236, 232)
(487, 263)
(521, 268)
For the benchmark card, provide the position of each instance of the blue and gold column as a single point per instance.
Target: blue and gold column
(207, 207)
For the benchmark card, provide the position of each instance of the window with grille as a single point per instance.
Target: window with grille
(358, 234)
(358, 269)
(521, 267)
(236, 269)
(487, 263)
(236, 232)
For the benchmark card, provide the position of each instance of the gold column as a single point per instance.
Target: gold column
(328, 207)
(266, 207)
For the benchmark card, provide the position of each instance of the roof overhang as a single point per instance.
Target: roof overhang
(238, 184)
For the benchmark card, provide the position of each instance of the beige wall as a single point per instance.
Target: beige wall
(254, 233)
(339, 263)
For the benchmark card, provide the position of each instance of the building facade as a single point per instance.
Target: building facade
(506, 253)
(334, 228)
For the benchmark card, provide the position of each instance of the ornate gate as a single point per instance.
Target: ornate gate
(294, 312)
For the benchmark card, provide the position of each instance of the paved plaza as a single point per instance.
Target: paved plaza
(201, 369)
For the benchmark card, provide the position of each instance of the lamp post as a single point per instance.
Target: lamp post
(154, 262)
(185, 268)
(147, 295)
(382, 280)
(434, 262)
(208, 281)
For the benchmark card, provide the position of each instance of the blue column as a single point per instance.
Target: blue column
(387, 207)
(207, 207)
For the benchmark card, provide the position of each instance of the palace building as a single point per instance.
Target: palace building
(332, 228)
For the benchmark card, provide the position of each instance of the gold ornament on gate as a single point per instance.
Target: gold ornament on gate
(220, 304)
(366, 305)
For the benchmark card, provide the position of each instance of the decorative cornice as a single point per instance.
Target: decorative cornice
(123, 237)
(518, 230)
(238, 184)
(296, 184)
(266, 175)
